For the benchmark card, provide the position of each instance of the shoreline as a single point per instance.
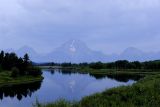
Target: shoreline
(107, 71)
(6, 80)
(124, 96)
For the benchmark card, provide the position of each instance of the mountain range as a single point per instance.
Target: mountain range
(76, 51)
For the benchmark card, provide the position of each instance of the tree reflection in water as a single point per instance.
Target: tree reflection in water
(126, 77)
(19, 91)
(117, 77)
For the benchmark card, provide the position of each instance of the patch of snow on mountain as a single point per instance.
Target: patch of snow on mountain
(72, 47)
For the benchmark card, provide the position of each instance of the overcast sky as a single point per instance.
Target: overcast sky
(109, 26)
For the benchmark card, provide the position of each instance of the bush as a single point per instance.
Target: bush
(97, 65)
(15, 72)
(34, 71)
(1, 68)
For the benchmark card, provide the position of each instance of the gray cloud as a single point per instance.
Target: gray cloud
(105, 25)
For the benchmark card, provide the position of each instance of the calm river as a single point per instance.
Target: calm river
(58, 84)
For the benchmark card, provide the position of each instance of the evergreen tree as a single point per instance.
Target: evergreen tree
(1, 57)
(26, 58)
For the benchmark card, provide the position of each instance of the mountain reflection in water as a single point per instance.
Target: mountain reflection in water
(61, 84)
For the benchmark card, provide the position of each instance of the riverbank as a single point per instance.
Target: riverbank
(86, 70)
(6, 79)
(91, 70)
(144, 93)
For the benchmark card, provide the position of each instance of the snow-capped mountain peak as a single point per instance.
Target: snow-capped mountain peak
(77, 51)
(72, 47)
(74, 51)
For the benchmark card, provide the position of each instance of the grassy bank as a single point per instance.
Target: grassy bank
(6, 79)
(118, 71)
(144, 93)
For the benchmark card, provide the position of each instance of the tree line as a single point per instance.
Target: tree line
(17, 65)
(124, 64)
(120, 64)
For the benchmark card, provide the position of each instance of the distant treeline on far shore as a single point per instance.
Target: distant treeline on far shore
(120, 64)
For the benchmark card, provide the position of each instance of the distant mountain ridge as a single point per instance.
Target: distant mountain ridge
(76, 51)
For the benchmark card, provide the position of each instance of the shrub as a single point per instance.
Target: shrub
(1, 68)
(97, 65)
(34, 71)
(15, 72)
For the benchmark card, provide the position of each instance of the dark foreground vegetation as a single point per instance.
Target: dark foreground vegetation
(144, 93)
(15, 70)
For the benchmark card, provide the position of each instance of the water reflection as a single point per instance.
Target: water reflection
(118, 77)
(58, 84)
(62, 71)
(74, 86)
(19, 91)
(125, 77)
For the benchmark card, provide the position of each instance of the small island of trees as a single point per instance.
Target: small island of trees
(17, 66)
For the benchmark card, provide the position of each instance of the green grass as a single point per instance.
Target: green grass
(119, 71)
(144, 93)
(6, 79)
